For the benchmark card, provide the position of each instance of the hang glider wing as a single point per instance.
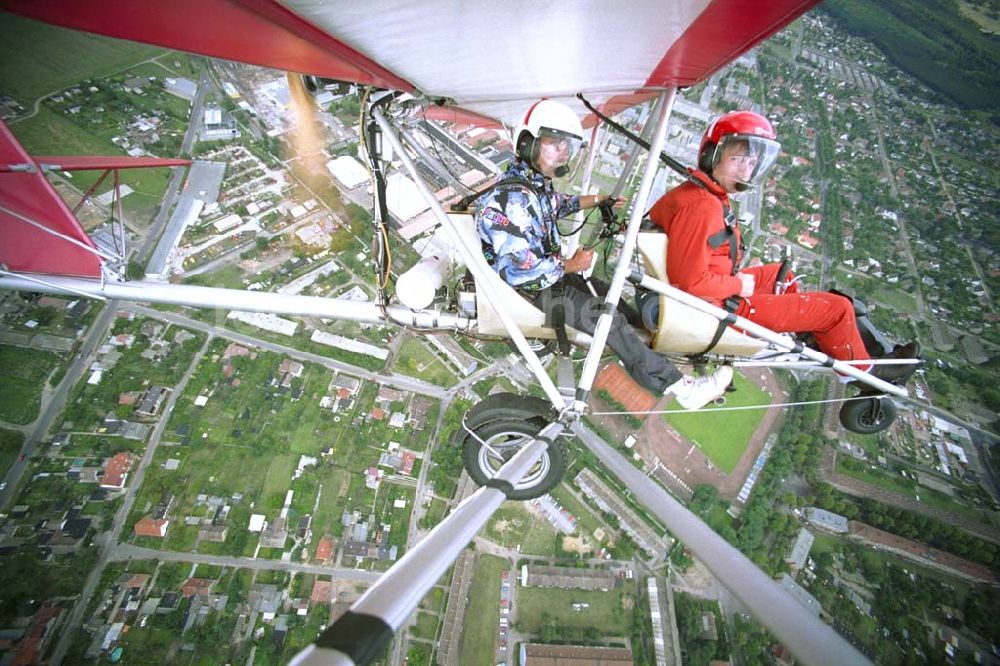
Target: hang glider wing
(489, 58)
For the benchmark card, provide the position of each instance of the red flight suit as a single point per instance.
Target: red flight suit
(690, 214)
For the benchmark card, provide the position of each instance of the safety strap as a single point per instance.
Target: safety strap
(730, 305)
(556, 316)
(462, 205)
(727, 235)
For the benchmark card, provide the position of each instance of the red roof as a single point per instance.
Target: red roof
(28, 648)
(408, 459)
(322, 592)
(199, 586)
(148, 527)
(324, 549)
(116, 470)
(378, 413)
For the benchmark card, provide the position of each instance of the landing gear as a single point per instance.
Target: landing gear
(867, 415)
(496, 428)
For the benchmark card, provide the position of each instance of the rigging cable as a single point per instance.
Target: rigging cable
(734, 409)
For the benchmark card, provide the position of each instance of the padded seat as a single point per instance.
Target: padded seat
(683, 329)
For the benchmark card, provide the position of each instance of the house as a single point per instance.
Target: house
(324, 549)
(116, 471)
(322, 592)
(151, 401)
(274, 535)
(150, 527)
(213, 533)
(197, 586)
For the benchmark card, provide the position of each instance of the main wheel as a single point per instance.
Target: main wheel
(496, 429)
(867, 415)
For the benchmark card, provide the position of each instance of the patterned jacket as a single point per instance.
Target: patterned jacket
(517, 227)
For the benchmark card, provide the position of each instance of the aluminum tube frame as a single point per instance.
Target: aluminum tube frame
(665, 103)
(758, 331)
(396, 594)
(633, 157)
(810, 639)
(475, 263)
(235, 299)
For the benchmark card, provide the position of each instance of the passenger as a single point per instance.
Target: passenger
(516, 222)
(704, 248)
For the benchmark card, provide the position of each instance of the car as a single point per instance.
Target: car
(20, 458)
(3, 485)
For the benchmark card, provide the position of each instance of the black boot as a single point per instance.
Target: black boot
(899, 374)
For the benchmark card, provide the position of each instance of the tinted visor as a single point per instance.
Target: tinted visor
(752, 150)
(557, 154)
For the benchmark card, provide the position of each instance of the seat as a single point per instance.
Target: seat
(683, 329)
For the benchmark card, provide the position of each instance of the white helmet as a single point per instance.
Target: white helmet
(553, 126)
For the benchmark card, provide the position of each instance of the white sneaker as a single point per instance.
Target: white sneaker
(694, 393)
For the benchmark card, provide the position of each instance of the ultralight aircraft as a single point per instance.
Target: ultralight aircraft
(480, 64)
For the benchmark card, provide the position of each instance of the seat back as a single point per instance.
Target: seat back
(683, 329)
(528, 318)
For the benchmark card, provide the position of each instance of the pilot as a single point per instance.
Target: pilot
(516, 221)
(704, 248)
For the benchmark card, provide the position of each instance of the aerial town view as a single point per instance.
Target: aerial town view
(206, 479)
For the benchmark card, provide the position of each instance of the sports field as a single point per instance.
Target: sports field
(38, 59)
(723, 435)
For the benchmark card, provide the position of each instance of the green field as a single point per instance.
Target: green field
(10, 447)
(722, 435)
(514, 525)
(610, 611)
(480, 628)
(48, 133)
(22, 377)
(39, 59)
(418, 360)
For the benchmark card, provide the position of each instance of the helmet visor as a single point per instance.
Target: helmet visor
(557, 154)
(755, 156)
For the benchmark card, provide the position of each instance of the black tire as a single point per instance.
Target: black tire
(506, 422)
(867, 415)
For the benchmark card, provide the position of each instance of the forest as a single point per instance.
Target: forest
(930, 40)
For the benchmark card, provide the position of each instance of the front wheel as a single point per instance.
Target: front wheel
(499, 427)
(867, 415)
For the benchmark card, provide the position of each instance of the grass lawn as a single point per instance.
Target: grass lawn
(69, 56)
(611, 611)
(416, 360)
(587, 522)
(228, 276)
(824, 543)
(10, 447)
(723, 436)
(513, 525)
(426, 626)
(482, 616)
(22, 377)
(861, 471)
(898, 300)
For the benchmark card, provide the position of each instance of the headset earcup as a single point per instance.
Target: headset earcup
(525, 143)
(706, 160)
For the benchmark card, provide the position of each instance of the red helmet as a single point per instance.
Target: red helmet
(748, 127)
